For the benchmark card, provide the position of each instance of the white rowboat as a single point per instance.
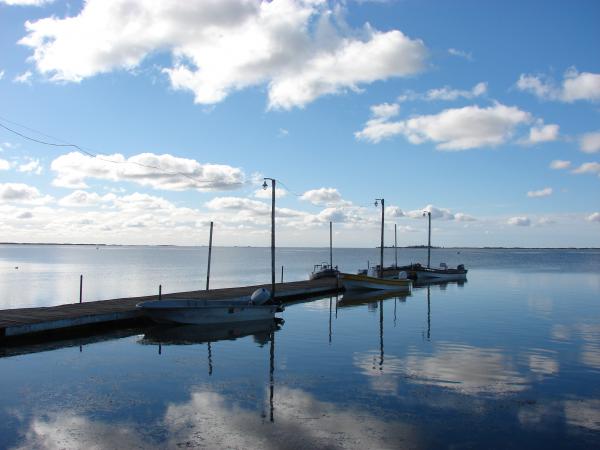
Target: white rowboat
(365, 282)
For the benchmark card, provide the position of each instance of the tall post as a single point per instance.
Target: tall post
(429, 240)
(159, 292)
(395, 246)
(330, 245)
(80, 288)
(273, 185)
(382, 226)
(209, 255)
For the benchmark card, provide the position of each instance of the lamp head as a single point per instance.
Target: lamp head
(376, 203)
(265, 185)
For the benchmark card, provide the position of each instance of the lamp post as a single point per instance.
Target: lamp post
(382, 222)
(428, 214)
(265, 186)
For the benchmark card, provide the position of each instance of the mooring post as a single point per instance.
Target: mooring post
(160, 292)
(273, 187)
(282, 274)
(80, 288)
(330, 245)
(209, 255)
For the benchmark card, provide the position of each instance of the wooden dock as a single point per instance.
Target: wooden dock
(27, 322)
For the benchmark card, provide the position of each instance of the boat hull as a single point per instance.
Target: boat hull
(365, 282)
(200, 313)
(439, 275)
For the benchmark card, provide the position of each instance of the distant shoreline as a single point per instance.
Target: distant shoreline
(258, 246)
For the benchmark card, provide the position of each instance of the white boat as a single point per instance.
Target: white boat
(324, 270)
(365, 282)
(211, 312)
(443, 273)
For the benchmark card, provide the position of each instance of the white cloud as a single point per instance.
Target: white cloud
(452, 129)
(33, 166)
(394, 211)
(147, 169)
(22, 193)
(588, 167)
(439, 213)
(559, 164)
(519, 221)
(590, 142)
(542, 133)
(322, 196)
(1, 74)
(4, 164)
(25, 215)
(83, 199)
(24, 78)
(26, 2)
(575, 86)
(594, 217)
(461, 54)
(540, 193)
(239, 204)
(447, 93)
(385, 110)
(300, 49)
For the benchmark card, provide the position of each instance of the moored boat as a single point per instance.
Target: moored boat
(442, 273)
(210, 312)
(364, 282)
(324, 270)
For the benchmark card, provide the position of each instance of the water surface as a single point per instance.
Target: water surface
(509, 359)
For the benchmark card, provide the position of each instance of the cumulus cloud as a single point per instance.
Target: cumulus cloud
(439, 214)
(541, 133)
(22, 193)
(590, 142)
(594, 217)
(540, 193)
(147, 169)
(299, 49)
(452, 129)
(394, 211)
(385, 110)
(559, 164)
(33, 166)
(588, 167)
(519, 221)
(322, 196)
(575, 86)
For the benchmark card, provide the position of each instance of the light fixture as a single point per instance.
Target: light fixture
(265, 185)
(376, 203)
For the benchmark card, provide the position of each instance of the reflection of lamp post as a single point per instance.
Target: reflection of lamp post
(428, 214)
(382, 220)
(265, 186)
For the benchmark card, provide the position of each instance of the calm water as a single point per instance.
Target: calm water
(510, 359)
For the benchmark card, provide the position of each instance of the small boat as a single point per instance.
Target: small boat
(443, 273)
(365, 282)
(324, 270)
(388, 272)
(210, 312)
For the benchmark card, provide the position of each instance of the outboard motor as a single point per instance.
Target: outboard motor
(461, 267)
(260, 296)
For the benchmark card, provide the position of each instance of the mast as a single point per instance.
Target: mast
(272, 234)
(395, 246)
(330, 246)
(381, 245)
(429, 241)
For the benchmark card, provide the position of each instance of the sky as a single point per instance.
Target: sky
(158, 117)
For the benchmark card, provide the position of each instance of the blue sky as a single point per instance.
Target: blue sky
(485, 113)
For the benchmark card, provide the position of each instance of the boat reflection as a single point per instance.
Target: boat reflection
(442, 284)
(370, 298)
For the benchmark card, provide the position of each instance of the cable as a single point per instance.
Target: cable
(88, 153)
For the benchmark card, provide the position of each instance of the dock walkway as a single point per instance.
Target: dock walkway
(29, 321)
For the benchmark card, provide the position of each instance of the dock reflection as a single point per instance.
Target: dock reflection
(370, 298)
